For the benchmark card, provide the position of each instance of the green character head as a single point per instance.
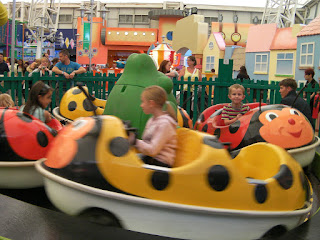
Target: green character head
(124, 100)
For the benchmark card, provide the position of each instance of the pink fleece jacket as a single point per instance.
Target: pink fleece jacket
(159, 139)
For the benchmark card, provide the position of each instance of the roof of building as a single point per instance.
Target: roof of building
(220, 41)
(313, 28)
(260, 37)
(284, 39)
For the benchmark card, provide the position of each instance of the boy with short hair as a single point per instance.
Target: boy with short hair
(234, 110)
(288, 94)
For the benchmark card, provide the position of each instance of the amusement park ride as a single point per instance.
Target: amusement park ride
(43, 18)
(90, 169)
(285, 12)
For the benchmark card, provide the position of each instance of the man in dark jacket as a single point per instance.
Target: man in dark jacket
(3, 66)
(288, 93)
(309, 76)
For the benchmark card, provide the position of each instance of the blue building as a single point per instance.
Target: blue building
(308, 50)
(259, 40)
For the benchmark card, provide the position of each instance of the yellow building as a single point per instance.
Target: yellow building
(213, 51)
(283, 53)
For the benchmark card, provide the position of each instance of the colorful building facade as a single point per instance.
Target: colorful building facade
(308, 49)
(113, 44)
(260, 38)
(283, 53)
(213, 51)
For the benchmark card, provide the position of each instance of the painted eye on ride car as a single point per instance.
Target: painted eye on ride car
(270, 116)
(294, 112)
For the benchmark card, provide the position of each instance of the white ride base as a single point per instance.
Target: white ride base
(305, 155)
(56, 114)
(164, 218)
(19, 175)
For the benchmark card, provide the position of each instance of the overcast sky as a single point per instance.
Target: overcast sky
(253, 3)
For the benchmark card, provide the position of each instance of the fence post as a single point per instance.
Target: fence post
(111, 81)
(19, 89)
(181, 87)
(210, 91)
(203, 100)
(195, 99)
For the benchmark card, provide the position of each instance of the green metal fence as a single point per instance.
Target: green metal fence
(198, 95)
(19, 87)
(210, 92)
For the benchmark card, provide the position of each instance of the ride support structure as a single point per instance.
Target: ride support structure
(43, 18)
(285, 12)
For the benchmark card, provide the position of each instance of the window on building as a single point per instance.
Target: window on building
(261, 63)
(169, 35)
(211, 45)
(65, 18)
(141, 19)
(284, 63)
(125, 18)
(306, 54)
(209, 63)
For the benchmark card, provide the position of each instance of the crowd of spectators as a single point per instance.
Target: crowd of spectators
(25, 67)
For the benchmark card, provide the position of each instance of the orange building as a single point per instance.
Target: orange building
(112, 44)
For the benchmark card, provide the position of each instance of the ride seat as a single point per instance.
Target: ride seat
(217, 122)
(259, 161)
(188, 147)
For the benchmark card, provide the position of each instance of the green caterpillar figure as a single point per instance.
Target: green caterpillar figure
(124, 100)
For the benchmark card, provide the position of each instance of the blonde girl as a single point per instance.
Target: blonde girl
(43, 67)
(159, 139)
(6, 100)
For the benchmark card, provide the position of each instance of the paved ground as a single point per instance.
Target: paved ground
(68, 227)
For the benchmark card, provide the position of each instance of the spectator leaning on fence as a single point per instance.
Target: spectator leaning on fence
(43, 67)
(66, 67)
(3, 66)
(192, 72)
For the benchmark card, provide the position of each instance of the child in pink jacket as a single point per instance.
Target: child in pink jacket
(159, 139)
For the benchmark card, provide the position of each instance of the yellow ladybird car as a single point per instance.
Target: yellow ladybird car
(261, 177)
(75, 104)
